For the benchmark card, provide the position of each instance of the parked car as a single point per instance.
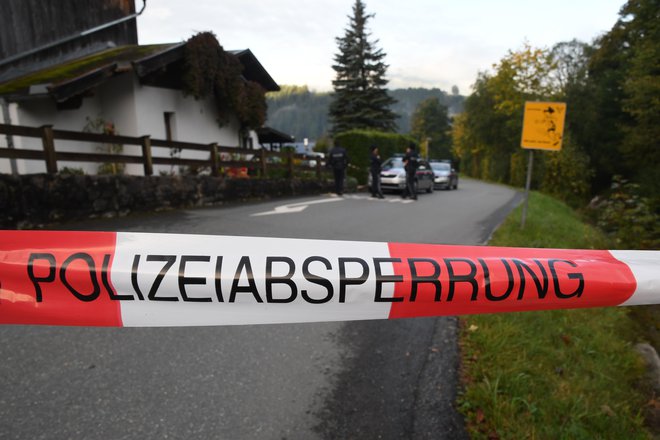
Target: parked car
(393, 176)
(311, 159)
(444, 175)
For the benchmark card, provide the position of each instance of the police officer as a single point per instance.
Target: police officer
(374, 169)
(338, 161)
(410, 165)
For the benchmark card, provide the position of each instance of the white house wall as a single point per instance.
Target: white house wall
(117, 99)
(5, 165)
(113, 102)
(193, 121)
(38, 112)
(136, 110)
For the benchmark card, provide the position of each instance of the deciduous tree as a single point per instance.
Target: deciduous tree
(641, 146)
(430, 120)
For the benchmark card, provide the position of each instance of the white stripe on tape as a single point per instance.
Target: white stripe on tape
(241, 255)
(645, 266)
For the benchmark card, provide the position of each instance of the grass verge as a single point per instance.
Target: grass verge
(561, 374)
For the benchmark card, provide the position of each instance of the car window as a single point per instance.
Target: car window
(441, 166)
(392, 162)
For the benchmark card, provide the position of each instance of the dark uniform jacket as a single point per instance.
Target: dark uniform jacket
(338, 158)
(374, 167)
(410, 161)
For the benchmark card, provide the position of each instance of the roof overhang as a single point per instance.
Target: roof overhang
(152, 63)
(268, 135)
(254, 71)
(79, 85)
(76, 78)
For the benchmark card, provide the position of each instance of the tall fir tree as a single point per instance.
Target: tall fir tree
(360, 100)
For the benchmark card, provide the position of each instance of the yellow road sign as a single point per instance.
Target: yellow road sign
(543, 125)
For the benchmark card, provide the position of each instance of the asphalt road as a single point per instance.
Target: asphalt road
(376, 379)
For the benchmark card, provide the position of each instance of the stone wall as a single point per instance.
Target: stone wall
(37, 199)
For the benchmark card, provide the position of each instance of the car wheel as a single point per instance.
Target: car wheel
(430, 188)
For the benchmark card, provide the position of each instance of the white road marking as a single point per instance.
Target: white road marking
(293, 208)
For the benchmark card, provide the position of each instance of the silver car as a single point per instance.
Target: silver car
(444, 176)
(393, 176)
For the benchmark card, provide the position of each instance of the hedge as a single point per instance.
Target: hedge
(358, 145)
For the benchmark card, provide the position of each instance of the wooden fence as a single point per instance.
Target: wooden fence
(48, 135)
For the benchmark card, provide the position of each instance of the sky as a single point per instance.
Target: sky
(429, 43)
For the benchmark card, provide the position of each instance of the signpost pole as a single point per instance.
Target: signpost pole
(527, 186)
(543, 129)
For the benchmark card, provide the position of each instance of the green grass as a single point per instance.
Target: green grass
(550, 224)
(561, 374)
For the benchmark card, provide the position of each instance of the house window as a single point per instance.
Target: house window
(170, 132)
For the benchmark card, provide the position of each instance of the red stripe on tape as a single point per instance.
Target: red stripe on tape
(57, 278)
(439, 280)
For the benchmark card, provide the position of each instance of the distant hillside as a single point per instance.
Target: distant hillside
(409, 99)
(304, 114)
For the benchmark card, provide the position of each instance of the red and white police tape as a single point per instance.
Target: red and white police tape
(136, 279)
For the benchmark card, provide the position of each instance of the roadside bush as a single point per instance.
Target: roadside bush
(358, 143)
(518, 165)
(351, 184)
(627, 216)
(322, 145)
(72, 171)
(566, 174)
(470, 160)
(495, 168)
